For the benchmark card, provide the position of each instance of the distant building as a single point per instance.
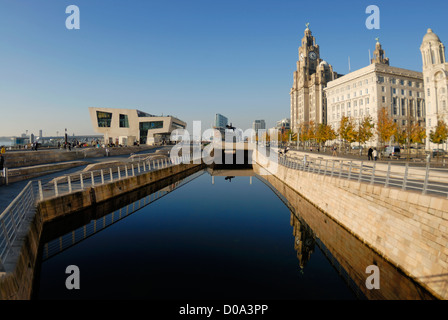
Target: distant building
(435, 76)
(259, 125)
(40, 134)
(127, 126)
(365, 91)
(221, 121)
(283, 125)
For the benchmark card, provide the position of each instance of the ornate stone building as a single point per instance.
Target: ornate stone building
(365, 91)
(435, 76)
(311, 77)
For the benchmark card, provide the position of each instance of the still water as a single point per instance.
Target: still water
(199, 238)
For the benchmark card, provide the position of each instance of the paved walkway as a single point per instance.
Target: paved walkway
(9, 192)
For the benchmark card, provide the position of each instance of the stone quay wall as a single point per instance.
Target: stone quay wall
(18, 284)
(408, 229)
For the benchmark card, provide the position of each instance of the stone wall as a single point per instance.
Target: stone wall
(406, 228)
(351, 254)
(17, 285)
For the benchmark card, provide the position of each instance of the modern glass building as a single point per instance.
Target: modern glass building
(128, 126)
(221, 121)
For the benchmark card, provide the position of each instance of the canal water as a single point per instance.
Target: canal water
(226, 236)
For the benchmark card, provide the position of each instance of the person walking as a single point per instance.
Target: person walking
(370, 154)
(375, 154)
(3, 150)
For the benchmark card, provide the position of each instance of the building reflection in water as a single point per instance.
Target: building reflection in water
(304, 241)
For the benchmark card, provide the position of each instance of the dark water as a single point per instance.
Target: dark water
(229, 240)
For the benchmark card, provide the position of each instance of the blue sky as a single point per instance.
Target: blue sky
(190, 59)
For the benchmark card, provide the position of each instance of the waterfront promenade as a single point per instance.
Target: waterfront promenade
(9, 192)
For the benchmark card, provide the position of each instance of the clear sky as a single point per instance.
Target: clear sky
(187, 58)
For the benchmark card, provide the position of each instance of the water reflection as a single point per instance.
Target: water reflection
(219, 239)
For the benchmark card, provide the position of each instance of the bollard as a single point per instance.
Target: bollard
(126, 169)
(93, 180)
(82, 181)
(138, 167)
(119, 173)
(102, 176)
(132, 166)
(111, 176)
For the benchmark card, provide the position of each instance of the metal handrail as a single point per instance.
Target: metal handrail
(371, 174)
(12, 218)
(12, 221)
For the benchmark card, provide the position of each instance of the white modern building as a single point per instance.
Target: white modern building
(129, 126)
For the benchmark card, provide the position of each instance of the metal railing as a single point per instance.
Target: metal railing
(424, 180)
(24, 205)
(66, 184)
(12, 222)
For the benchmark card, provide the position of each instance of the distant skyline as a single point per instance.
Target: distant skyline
(190, 59)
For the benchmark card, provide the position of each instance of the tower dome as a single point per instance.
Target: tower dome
(430, 36)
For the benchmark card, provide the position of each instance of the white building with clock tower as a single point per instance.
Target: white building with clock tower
(308, 103)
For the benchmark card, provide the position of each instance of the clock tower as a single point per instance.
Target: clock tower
(308, 104)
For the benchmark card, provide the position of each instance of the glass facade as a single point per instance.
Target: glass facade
(104, 119)
(151, 125)
(146, 126)
(124, 121)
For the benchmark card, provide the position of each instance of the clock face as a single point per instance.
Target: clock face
(313, 56)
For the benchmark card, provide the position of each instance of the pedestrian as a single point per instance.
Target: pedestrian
(375, 154)
(335, 154)
(3, 150)
(2, 163)
(370, 154)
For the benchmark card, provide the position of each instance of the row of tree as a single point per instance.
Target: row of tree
(351, 131)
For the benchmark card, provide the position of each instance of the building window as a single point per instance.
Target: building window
(410, 83)
(393, 80)
(402, 92)
(380, 79)
(383, 89)
(410, 93)
(402, 82)
(444, 105)
(104, 119)
(360, 102)
(394, 91)
(124, 121)
(384, 99)
(355, 103)
(367, 91)
(429, 92)
(151, 125)
(367, 100)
